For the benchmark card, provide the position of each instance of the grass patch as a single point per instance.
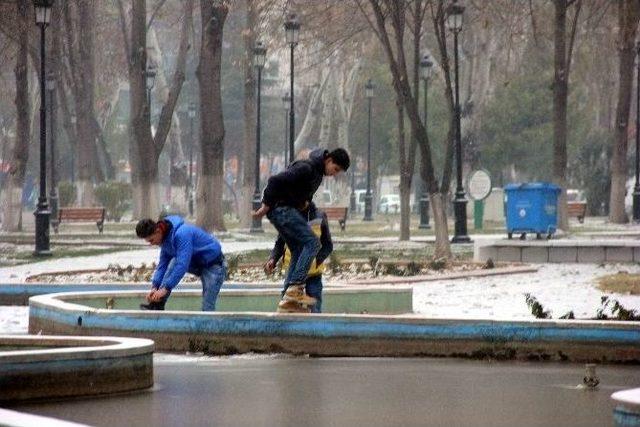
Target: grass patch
(620, 283)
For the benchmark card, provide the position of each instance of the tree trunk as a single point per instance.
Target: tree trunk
(442, 247)
(12, 194)
(560, 91)
(143, 158)
(628, 17)
(312, 116)
(249, 141)
(405, 178)
(209, 213)
(79, 31)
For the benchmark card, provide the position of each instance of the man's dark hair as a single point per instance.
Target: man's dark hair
(145, 228)
(340, 157)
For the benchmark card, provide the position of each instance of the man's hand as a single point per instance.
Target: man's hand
(156, 295)
(261, 212)
(269, 266)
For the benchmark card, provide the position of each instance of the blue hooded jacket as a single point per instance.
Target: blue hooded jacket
(193, 249)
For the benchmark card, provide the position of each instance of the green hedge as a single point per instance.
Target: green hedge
(116, 197)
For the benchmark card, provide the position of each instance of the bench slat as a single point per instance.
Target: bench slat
(338, 213)
(71, 214)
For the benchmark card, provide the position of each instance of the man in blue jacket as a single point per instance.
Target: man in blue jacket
(285, 196)
(184, 248)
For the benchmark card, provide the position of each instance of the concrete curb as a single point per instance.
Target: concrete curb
(344, 334)
(63, 366)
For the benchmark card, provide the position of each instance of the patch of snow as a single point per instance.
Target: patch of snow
(14, 320)
(558, 287)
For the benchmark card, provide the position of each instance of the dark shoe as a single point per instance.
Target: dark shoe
(152, 306)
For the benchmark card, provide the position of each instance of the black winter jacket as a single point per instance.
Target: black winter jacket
(296, 184)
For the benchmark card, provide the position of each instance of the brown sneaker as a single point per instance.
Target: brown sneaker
(292, 307)
(297, 294)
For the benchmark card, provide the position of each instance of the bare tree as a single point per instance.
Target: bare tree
(145, 148)
(388, 21)
(628, 18)
(209, 214)
(12, 194)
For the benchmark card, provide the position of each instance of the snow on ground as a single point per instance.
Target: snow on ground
(558, 287)
(14, 320)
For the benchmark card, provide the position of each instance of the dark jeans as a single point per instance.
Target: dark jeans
(302, 242)
(314, 289)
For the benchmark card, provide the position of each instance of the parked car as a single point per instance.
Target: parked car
(389, 203)
(360, 200)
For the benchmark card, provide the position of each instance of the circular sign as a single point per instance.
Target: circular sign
(479, 184)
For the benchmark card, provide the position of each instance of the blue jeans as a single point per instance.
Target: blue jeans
(314, 289)
(303, 244)
(211, 279)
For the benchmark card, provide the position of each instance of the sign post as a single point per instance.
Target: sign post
(478, 187)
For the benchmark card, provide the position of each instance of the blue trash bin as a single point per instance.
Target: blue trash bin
(531, 208)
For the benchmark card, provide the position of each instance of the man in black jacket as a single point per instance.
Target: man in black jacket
(285, 195)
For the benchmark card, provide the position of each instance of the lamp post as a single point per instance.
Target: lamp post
(259, 56)
(636, 187)
(368, 197)
(53, 188)
(454, 24)
(426, 68)
(150, 81)
(286, 100)
(42, 213)
(192, 115)
(292, 28)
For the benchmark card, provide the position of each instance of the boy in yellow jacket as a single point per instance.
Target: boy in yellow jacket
(313, 283)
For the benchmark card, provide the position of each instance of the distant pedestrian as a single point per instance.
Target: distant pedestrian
(285, 196)
(183, 248)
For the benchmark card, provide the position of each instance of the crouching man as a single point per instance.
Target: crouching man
(183, 248)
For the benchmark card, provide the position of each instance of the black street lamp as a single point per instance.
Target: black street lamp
(368, 197)
(636, 187)
(454, 24)
(259, 56)
(286, 100)
(192, 115)
(292, 28)
(42, 213)
(53, 188)
(150, 81)
(426, 68)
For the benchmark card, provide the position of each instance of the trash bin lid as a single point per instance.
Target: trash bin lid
(532, 186)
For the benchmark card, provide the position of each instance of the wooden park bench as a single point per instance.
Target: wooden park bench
(337, 213)
(69, 214)
(577, 209)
